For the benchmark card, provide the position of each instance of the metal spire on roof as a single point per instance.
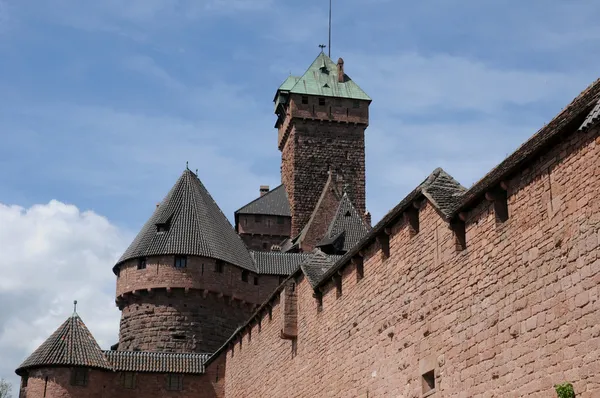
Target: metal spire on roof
(329, 47)
(75, 307)
(186, 165)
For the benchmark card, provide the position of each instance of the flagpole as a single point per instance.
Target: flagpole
(329, 47)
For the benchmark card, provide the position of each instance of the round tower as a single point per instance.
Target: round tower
(187, 280)
(68, 364)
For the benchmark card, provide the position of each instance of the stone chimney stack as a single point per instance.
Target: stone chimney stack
(368, 218)
(340, 69)
(264, 189)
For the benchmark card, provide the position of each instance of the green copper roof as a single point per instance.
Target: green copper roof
(289, 83)
(321, 78)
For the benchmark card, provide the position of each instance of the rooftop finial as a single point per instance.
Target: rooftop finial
(186, 165)
(322, 46)
(196, 172)
(75, 306)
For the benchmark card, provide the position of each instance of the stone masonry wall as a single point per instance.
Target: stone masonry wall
(105, 384)
(318, 138)
(190, 309)
(262, 232)
(514, 314)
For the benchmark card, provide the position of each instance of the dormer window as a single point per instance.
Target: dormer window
(162, 228)
(180, 261)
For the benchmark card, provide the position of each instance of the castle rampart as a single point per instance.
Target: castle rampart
(508, 309)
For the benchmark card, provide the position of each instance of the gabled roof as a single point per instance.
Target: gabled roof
(277, 263)
(346, 224)
(195, 226)
(316, 265)
(321, 79)
(444, 193)
(273, 203)
(157, 362)
(71, 344)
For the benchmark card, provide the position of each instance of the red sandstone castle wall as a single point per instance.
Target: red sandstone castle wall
(261, 232)
(510, 316)
(192, 309)
(314, 137)
(106, 384)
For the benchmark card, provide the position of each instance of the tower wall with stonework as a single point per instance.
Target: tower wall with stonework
(56, 383)
(513, 314)
(324, 134)
(191, 309)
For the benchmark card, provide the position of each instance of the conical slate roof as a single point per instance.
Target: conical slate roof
(71, 344)
(189, 222)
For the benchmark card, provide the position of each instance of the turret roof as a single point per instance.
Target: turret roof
(71, 344)
(321, 78)
(189, 222)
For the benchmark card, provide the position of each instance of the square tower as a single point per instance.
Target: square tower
(321, 120)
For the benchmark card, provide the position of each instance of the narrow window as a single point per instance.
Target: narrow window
(280, 220)
(428, 382)
(384, 242)
(79, 377)
(128, 380)
(269, 222)
(319, 299)
(245, 276)
(360, 271)
(256, 281)
(141, 263)
(180, 261)
(45, 386)
(305, 99)
(501, 205)
(321, 101)
(219, 266)
(356, 104)
(412, 219)
(460, 234)
(245, 221)
(258, 218)
(174, 382)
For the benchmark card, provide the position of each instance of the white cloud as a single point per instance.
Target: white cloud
(53, 254)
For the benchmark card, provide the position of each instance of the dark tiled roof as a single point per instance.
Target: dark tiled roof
(197, 227)
(157, 362)
(273, 203)
(592, 118)
(71, 344)
(277, 263)
(346, 224)
(316, 265)
(440, 188)
(567, 121)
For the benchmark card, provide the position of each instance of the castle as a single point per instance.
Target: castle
(491, 291)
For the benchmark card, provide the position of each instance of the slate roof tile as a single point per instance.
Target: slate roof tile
(273, 203)
(346, 224)
(316, 265)
(277, 263)
(196, 227)
(157, 362)
(71, 344)
(592, 118)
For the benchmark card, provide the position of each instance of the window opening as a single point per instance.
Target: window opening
(174, 382)
(305, 99)
(141, 263)
(128, 380)
(428, 382)
(321, 101)
(219, 266)
(180, 261)
(245, 276)
(79, 377)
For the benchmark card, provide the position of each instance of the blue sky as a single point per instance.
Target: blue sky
(102, 103)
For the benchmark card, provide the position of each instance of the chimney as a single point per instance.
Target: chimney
(264, 189)
(368, 218)
(340, 67)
